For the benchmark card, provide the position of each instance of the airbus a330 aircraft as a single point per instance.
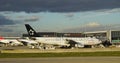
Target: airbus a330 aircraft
(62, 41)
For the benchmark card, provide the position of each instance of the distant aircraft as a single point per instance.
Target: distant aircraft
(27, 42)
(62, 41)
(8, 41)
(13, 41)
(3, 41)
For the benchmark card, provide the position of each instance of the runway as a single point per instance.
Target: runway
(62, 60)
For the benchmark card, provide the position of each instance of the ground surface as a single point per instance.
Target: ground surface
(24, 49)
(62, 60)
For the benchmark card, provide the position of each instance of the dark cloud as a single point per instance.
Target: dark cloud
(5, 21)
(57, 5)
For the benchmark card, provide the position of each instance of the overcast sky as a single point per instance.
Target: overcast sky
(58, 15)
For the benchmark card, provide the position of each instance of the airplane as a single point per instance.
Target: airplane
(14, 41)
(3, 41)
(62, 41)
(27, 41)
(9, 41)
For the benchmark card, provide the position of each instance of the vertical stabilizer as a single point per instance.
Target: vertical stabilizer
(31, 31)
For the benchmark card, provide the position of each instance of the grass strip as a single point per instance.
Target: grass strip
(64, 54)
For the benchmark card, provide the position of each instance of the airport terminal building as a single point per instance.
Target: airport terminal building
(112, 35)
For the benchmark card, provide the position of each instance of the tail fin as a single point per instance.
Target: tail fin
(31, 31)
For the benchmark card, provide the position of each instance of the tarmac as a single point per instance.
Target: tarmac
(24, 49)
(62, 60)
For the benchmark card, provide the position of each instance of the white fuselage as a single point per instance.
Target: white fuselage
(51, 40)
(12, 42)
(62, 40)
(4, 41)
(27, 41)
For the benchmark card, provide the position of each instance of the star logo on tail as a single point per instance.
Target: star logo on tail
(31, 32)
